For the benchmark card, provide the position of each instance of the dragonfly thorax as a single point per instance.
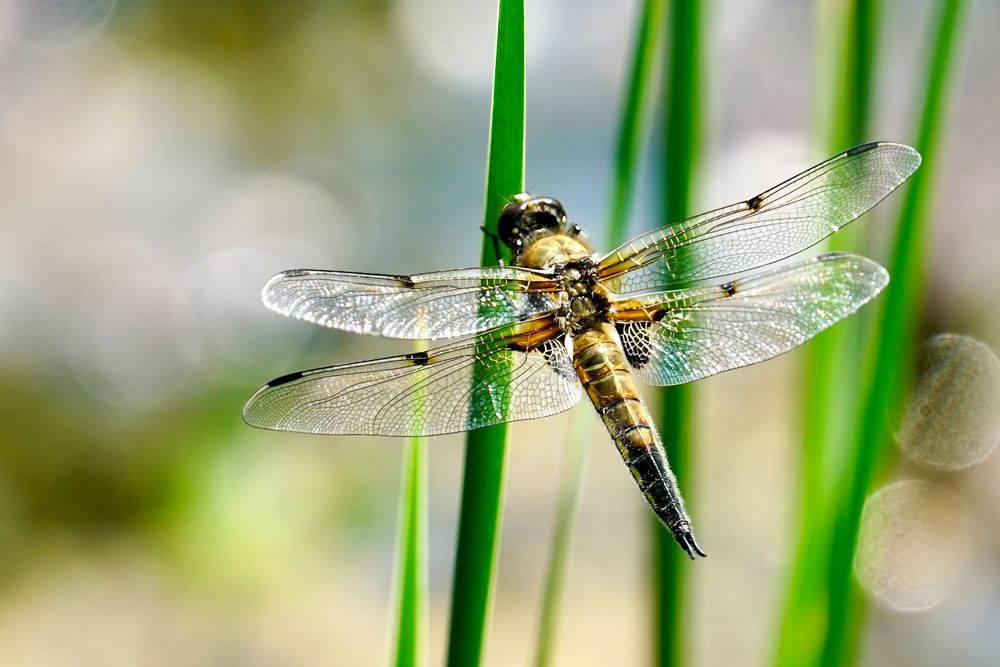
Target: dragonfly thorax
(585, 302)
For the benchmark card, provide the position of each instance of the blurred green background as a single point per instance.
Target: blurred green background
(159, 160)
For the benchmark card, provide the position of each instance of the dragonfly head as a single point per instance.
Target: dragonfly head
(526, 216)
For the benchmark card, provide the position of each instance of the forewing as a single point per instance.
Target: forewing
(444, 304)
(427, 393)
(684, 335)
(775, 224)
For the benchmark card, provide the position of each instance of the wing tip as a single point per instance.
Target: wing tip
(911, 152)
(266, 292)
(883, 276)
(870, 266)
(250, 418)
(271, 298)
(251, 414)
(911, 166)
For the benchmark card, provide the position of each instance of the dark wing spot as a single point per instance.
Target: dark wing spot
(862, 148)
(285, 379)
(729, 288)
(405, 281)
(535, 303)
(550, 351)
(637, 350)
(418, 358)
(754, 203)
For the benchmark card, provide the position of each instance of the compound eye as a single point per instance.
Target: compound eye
(508, 225)
(544, 213)
(542, 219)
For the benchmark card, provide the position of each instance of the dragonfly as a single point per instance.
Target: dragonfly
(530, 339)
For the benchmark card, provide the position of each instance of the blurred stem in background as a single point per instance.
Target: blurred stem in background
(847, 35)
(569, 498)
(636, 110)
(893, 345)
(682, 106)
(632, 135)
(485, 448)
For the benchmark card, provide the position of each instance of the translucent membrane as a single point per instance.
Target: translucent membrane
(953, 418)
(916, 545)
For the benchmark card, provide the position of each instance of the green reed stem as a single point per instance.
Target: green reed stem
(411, 578)
(893, 346)
(680, 148)
(632, 135)
(485, 448)
(833, 368)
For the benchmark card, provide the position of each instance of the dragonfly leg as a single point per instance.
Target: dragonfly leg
(496, 243)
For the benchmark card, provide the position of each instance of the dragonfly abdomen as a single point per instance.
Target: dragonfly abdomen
(600, 365)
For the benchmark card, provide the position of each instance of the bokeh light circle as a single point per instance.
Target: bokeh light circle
(133, 339)
(915, 545)
(952, 420)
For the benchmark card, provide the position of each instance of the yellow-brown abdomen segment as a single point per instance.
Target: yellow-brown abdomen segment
(600, 365)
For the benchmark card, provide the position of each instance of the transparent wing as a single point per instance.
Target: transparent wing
(775, 224)
(427, 393)
(444, 304)
(684, 335)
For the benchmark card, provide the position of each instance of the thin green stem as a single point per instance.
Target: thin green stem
(832, 359)
(669, 564)
(485, 449)
(680, 148)
(893, 346)
(411, 616)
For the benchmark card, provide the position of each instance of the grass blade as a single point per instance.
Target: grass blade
(832, 368)
(411, 579)
(681, 137)
(411, 576)
(893, 346)
(631, 137)
(485, 449)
